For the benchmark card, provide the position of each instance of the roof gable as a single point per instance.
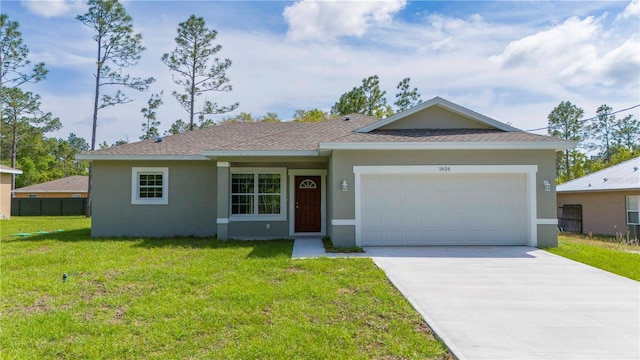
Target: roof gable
(437, 113)
(466, 130)
(622, 176)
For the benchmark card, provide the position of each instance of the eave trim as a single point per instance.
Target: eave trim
(11, 171)
(139, 157)
(230, 153)
(448, 146)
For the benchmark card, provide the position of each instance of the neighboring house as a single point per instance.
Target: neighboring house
(68, 187)
(436, 174)
(607, 201)
(6, 173)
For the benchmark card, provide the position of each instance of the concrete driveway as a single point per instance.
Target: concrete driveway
(517, 302)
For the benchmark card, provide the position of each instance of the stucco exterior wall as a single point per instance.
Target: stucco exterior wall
(277, 229)
(257, 230)
(51, 195)
(436, 118)
(191, 208)
(343, 205)
(603, 213)
(5, 196)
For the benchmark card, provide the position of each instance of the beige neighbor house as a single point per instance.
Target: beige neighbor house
(69, 187)
(436, 174)
(6, 173)
(606, 201)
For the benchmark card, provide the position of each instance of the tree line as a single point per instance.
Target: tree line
(196, 69)
(23, 123)
(198, 72)
(602, 141)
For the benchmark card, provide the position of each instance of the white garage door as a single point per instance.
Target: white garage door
(427, 209)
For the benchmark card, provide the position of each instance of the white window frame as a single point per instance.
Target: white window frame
(626, 220)
(256, 171)
(135, 185)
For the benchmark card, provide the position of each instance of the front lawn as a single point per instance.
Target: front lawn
(193, 298)
(614, 257)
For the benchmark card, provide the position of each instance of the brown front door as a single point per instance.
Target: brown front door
(308, 212)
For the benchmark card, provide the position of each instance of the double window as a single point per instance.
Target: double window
(149, 186)
(258, 194)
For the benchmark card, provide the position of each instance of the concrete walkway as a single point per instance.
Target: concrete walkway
(517, 302)
(307, 249)
(313, 248)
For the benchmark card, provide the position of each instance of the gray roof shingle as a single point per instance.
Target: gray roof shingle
(295, 136)
(76, 183)
(445, 135)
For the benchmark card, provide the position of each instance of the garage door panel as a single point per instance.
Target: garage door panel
(443, 210)
(372, 202)
(373, 237)
(372, 220)
(413, 218)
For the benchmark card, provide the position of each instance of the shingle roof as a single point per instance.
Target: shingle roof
(445, 135)
(294, 136)
(623, 176)
(76, 183)
(245, 136)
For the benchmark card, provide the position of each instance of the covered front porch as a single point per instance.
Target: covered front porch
(271, 198)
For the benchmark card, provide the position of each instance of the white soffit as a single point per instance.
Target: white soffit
(448, 146)
(138, 157)
(229, 153)
(8, 170)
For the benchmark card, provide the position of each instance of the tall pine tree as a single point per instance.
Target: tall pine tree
(197, 70)
(117, 45)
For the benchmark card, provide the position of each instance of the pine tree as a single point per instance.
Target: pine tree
(197, 69)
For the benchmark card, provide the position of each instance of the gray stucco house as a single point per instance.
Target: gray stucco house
(606, 202)
(436, 174)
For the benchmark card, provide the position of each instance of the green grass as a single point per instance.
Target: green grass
(614, 257)
(194, 298)
(328, 247)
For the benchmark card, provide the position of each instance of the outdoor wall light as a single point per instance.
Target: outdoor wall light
(547, 185)
(344, 185)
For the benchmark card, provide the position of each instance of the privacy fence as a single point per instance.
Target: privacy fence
(48, 207)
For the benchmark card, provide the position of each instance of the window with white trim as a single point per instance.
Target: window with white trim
(633, 210)
(258, 194)
(149, 186)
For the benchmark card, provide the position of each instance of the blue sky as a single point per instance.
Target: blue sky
(513, 61)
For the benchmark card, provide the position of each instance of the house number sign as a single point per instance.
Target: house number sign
(444, 168)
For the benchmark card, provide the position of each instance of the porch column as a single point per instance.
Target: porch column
(223, 200)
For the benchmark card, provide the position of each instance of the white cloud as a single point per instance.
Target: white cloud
(583, 60)
(632, 10)
(324, 20)
(53, 8)
(555, 47)
(579, 53)
(615, 68)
